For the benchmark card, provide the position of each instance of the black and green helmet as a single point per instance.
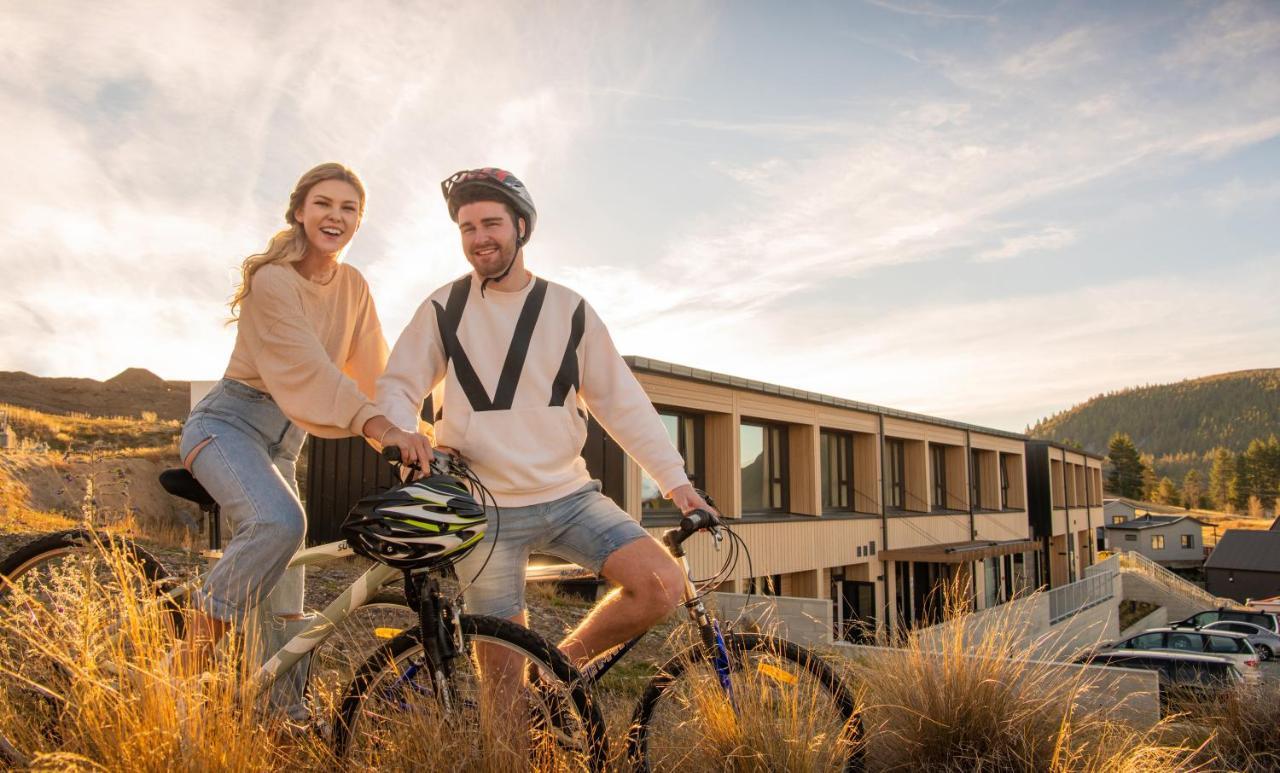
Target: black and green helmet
(417, 525)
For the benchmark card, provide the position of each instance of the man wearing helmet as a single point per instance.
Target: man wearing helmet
(520, 358)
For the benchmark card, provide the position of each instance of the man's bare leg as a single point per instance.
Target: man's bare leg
(650, 585)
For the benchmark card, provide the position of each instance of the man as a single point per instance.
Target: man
(519, 357)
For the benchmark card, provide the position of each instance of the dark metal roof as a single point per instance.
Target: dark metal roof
(1150, 507)
(1246, 550)
(648, 365)
(1152, 521)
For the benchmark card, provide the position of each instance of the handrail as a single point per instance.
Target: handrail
(1069, 599)
(1133, 561)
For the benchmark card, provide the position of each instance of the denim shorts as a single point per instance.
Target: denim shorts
(585, 527)
(249, 468)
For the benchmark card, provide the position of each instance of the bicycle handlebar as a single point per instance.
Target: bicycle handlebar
(442, 463)
(690, 524)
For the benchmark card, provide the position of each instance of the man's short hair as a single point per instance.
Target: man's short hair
(472, 194)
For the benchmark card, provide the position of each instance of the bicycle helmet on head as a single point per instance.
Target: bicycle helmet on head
(492, 184)
(417, 525)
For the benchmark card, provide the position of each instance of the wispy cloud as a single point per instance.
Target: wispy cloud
(1048, 238)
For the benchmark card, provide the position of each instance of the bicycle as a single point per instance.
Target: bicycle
(695, 711)
(423, 677)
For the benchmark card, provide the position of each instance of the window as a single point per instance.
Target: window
(1157, 542)
(1224, 644)
(1004, 481)
(1131, 538)
(769, 585)
(1147, 641)
(763, 454)
(1188, 540)
(1115, 519)
(837, 471)
(685, 432)
(975, 478)
(938, 461)
(895, 472)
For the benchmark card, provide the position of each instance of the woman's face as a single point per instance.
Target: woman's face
(330, 215)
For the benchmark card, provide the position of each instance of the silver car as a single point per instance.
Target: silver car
(1267, 643)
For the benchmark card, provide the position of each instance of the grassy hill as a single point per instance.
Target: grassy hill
(1189, 418)
(127, 394)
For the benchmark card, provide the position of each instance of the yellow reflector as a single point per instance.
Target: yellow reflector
(775, 673)
(387, 633)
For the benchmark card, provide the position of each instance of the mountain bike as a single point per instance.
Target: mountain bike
(424, 678)
(733, 691)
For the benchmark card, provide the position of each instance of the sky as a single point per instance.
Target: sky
(986, 211)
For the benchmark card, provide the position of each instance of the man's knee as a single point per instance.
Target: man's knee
(658, 591)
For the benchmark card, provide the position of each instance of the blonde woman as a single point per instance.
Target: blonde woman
(309, 349)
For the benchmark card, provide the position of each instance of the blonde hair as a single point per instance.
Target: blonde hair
(290, 245)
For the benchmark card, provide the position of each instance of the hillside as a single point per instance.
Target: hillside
(127, 394)
(1189, 417)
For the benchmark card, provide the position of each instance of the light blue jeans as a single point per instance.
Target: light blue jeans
(250, 468)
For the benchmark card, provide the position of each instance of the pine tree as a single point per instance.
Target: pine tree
(1220, 478)
(1125, 477)
(1166, 493)
(1192, 489)
(1239, 485)
(1150, 483)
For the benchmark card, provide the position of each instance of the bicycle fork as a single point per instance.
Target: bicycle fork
(713, 646)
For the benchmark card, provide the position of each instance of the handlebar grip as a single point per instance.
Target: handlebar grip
(391, 453)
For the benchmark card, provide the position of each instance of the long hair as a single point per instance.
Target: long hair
(290, 244)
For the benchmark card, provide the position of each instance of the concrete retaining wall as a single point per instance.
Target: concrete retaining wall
(802, 620)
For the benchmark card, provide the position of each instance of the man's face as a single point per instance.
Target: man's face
(488, 236)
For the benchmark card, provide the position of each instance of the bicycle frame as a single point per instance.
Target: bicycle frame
(358, 594)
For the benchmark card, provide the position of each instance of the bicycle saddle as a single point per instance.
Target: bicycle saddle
(180, 483)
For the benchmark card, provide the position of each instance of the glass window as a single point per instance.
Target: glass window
(1223, 644)
(1004, 481)
(1157, 542)
(685, 432)
(975, 478)
(895, 473)
(1185, 641)
(1131, 538)
(1147, 641)
(1188, 540)
(938, 461)
(1117, 519)
(763, 454)
(837, 471)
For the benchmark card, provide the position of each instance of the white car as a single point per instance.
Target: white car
(1266, 643)
(1233, 646)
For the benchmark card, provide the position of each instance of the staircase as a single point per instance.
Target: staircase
(1144, 580)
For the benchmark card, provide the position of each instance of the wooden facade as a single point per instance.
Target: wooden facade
(991, 495)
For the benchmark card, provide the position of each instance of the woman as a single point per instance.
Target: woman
(309, 349)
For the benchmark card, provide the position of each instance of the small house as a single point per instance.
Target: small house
(1173, 541)
(1244, 565)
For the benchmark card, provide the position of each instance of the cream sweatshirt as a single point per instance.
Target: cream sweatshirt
(316, 349)
(518, 369)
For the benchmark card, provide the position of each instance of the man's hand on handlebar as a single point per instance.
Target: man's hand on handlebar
(687, 499)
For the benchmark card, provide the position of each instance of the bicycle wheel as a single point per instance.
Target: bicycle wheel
(397, 714)
(61, 599)
(788, 711)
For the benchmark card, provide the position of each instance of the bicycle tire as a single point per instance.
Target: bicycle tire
(589, 729)
(21, 568)
(791, 704)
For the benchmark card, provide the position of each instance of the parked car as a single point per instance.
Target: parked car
(1182, 676)
(1200, 619)
(1265, 643)
(1233, 646)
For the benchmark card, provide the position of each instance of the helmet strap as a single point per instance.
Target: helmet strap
(520, 240)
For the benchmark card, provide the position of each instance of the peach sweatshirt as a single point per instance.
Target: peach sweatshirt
(316, 349)
(517, 369)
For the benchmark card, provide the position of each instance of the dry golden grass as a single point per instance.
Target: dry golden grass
(80, 432)
(968, 702)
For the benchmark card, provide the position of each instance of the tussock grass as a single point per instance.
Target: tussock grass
(969, 701)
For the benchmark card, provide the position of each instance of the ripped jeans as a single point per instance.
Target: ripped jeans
(249, 467)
